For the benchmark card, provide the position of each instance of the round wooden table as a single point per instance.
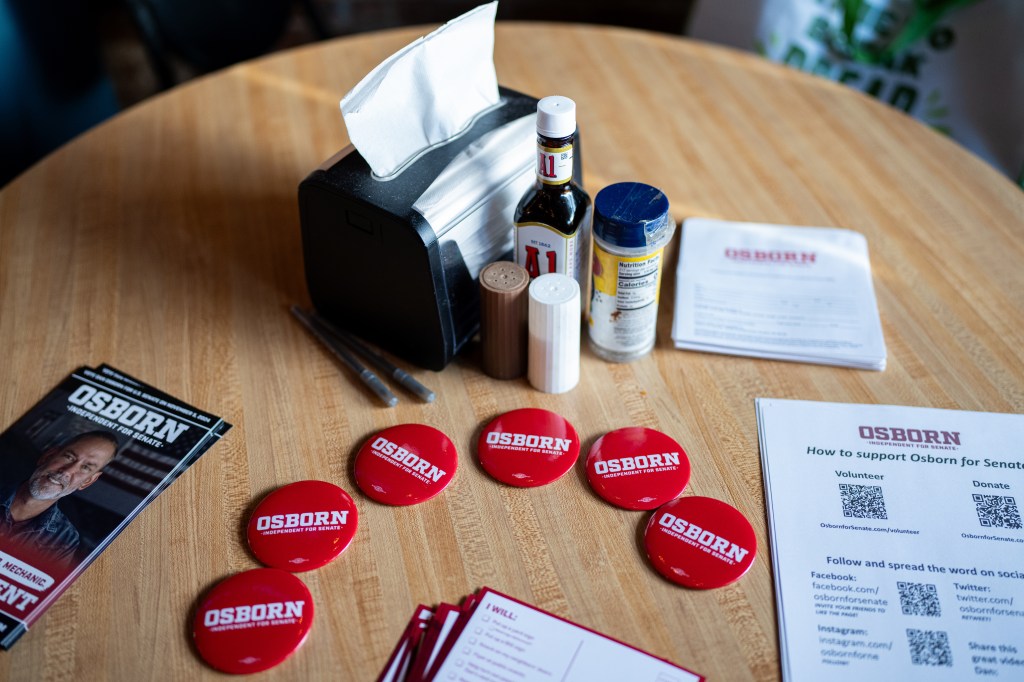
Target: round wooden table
(166, 243)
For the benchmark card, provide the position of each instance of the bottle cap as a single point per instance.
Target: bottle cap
(503, 309)
(405, 464)
(556, 116)
(700, 542)
(631, 215)
(637, 468)
(253, 620)
(302, 526)
(554, 327)
(528, 447)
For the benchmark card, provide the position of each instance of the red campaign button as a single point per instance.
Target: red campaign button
(700, 542)
(302, 526)
(637, 468)
(406, 464)
(253, 620)
(528, 447)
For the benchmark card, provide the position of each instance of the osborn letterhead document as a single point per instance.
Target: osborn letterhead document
(896, 541)
(802, 294)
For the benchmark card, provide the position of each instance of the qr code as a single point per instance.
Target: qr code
(919, 599)
(929, 647)
(862, 501)
(996, 511)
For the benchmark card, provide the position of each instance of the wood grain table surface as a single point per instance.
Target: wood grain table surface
(166, 243)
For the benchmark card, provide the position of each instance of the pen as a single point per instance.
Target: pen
(382, 363)
(340, 352)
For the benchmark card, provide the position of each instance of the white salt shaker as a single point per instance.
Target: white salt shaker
(554, 324)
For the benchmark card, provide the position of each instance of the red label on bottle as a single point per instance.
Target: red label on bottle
(541, 249)
(554, 164)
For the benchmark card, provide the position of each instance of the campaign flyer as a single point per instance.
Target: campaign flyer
(494, 638)
(74, 471)
(897, 540)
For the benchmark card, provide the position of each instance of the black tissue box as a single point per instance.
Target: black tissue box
(376, 268)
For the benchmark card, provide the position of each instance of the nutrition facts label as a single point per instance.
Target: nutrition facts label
(624, 303)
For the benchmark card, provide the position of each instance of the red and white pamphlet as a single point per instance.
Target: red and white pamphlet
(493, 636)
(75, 470)
(397, 667)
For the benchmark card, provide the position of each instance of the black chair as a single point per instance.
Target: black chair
(354, 16)
(211, 34)
(54, 82)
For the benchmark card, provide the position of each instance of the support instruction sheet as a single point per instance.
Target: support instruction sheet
(897, 542)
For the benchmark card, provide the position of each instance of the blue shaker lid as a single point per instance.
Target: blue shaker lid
(630, 214)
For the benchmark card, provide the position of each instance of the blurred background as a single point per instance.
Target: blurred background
(66, 65)
(957, 65)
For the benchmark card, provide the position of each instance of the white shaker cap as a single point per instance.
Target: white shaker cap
(554, 323)
(556, 116)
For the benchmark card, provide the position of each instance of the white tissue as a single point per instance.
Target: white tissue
(425, 94)
(472, 201)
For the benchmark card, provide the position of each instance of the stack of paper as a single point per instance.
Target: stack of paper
(896, 540)
(776, 291)
(136, 438)
(494, 637)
